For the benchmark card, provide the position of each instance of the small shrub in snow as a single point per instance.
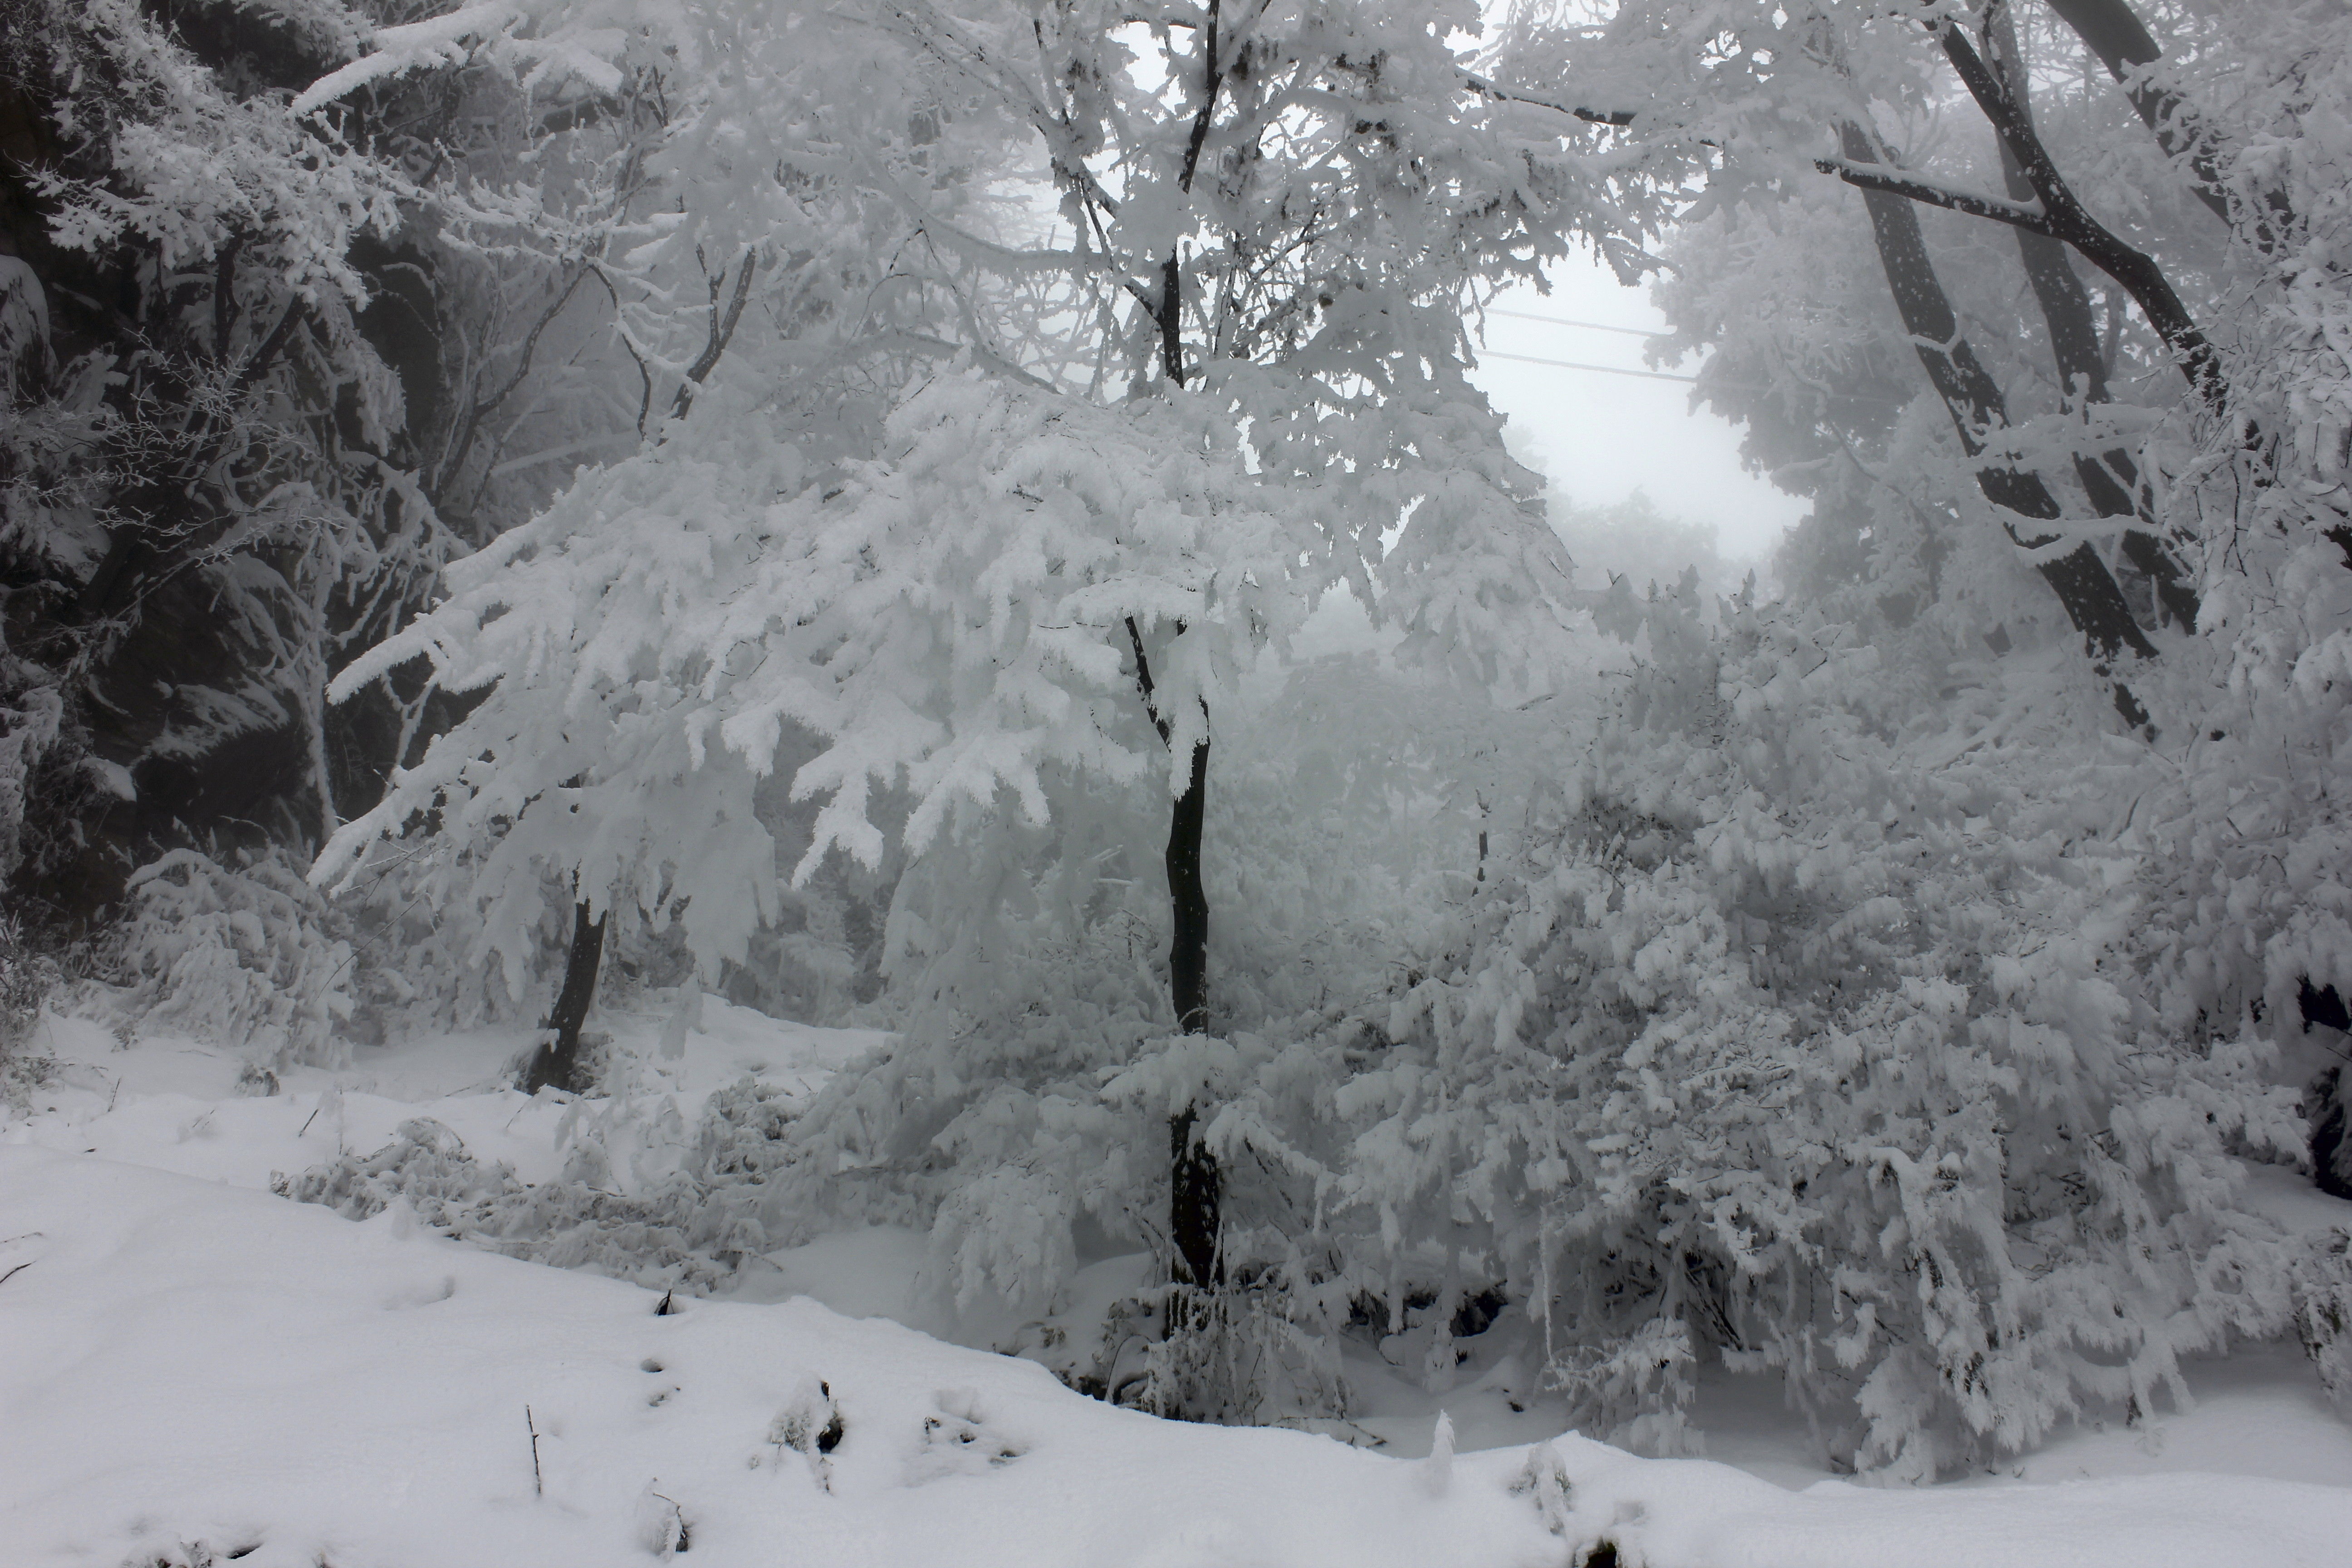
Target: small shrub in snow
(190, 1555)
(743, 1135)
(1250, 1354)
(2323, 1312)
(671, 1236)
(661, 1525)
(243, 951)
(26, 978)
(812, 1426)
(959, 1441)
(1545, 1482)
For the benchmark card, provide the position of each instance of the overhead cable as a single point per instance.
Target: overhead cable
(1574, 364)
(1564, 322)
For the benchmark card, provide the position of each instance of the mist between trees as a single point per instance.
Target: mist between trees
(505, 504)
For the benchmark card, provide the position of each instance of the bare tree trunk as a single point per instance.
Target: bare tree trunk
(1193, 1177)
(1193, 1185)
(2084, 586)
(556, 1064)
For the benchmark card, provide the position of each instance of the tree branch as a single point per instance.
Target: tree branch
(2072, 222)
(1143, 683)
(2125, 47)
(1869, 177)
(1170, 311)
(1486, 88)
(723, 333)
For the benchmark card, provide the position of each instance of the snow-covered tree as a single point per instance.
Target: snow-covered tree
(230, 457)
(203, 497)
(991, 583)
(2193, 1052)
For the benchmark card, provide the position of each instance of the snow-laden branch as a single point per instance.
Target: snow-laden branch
(453, 39)
(1976, 204)
(1483, 88)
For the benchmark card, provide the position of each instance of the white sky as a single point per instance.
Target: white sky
(1603, 437)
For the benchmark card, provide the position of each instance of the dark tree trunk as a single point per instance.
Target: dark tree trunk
(2125, 47)
(1194, 1181)
(1195, 1184)
(556, 1064)
(1193, 1177)
(1188, 953)
(2084, 586)
(2057, 212)
(2111, 480)
(2064, 218)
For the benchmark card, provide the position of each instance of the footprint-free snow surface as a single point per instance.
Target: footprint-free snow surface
(195, 1371)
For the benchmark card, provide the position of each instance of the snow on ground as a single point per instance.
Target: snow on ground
(195, 1366)
(174, 1104)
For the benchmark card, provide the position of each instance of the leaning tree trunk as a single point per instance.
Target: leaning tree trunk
(2111, 479)
(556, 1064)
(2063, 216)
(2084, 586)
(2125, 47)
(2055, 211)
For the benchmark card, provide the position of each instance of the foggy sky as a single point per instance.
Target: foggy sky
(1602, 436)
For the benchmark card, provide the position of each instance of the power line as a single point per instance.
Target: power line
(1564, 322)
(1573, 364)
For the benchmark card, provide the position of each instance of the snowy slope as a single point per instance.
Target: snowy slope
(194, 1366)
(191, 1363)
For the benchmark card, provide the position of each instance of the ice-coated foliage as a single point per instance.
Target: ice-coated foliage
(994, 538)
(1776, 1042)
(2323, 1312)
(28, 977)
(651, 636)
(195, 167)
(643, 1195)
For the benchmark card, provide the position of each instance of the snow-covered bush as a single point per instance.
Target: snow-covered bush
(1785, 1044)
(670, 1237)
(2323, 1312)
(26, 978)
(241, 950)
(639, 1198)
